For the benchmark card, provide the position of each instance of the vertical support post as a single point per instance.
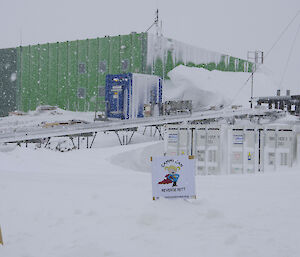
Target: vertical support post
(78, 142)
(1, 238)
(251, 104)
(259, 150)
(258, 58)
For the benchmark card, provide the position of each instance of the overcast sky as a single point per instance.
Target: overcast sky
(228, 26)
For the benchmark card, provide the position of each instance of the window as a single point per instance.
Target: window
(102, 66)
(81, 68)
(81, 93)
(124, 65)
(101, 91)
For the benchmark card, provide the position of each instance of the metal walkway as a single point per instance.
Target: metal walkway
(18, 135)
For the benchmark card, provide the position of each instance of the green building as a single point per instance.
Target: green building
(71, 74)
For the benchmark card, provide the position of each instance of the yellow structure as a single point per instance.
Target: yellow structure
(1, 240)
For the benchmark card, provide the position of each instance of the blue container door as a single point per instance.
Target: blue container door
(116, 102)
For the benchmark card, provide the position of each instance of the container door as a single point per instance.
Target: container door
(250, 151)
(116, 102)
(269, 150)
(285, 142)
(237, 151)
(200, 139)
(213, 151)
(184, 142)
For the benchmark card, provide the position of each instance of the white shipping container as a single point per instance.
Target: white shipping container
(127, 94)
(234, 149)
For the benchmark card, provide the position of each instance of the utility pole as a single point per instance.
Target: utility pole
(256, 57)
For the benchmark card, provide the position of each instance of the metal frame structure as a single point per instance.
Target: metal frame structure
(127, 126)
(291, 103)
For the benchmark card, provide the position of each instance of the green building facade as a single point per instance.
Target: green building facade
(8, 80)
(71, 75)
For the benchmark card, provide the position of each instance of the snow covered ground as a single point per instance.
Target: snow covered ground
(94, 202)
(98, 202)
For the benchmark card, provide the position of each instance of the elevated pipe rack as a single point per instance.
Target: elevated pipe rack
(21, 135)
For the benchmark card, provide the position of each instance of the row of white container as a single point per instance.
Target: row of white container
(234, 149)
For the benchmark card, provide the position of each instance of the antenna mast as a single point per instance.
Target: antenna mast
(156, 23)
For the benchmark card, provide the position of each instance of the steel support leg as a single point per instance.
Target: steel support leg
(118, 137)
(155, 131)
(72, 142)
(159, 131)
(47, 142)
(144, 130)
(131, 137)
(95, 134)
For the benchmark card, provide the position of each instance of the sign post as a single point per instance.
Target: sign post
(173, 177)
(1, 239)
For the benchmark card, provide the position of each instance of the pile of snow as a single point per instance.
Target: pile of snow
(213, 88)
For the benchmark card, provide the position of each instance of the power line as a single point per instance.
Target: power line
(268, 52)
(282, 33)
(289, 57)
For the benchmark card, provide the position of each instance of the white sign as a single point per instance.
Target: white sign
(238, 139)
(173, 176)
(173, 138)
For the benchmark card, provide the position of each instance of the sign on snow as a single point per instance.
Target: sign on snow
(173, 177)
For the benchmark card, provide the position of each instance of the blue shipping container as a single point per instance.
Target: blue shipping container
(127, 94)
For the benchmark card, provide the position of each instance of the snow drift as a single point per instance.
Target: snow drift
(212, 88)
